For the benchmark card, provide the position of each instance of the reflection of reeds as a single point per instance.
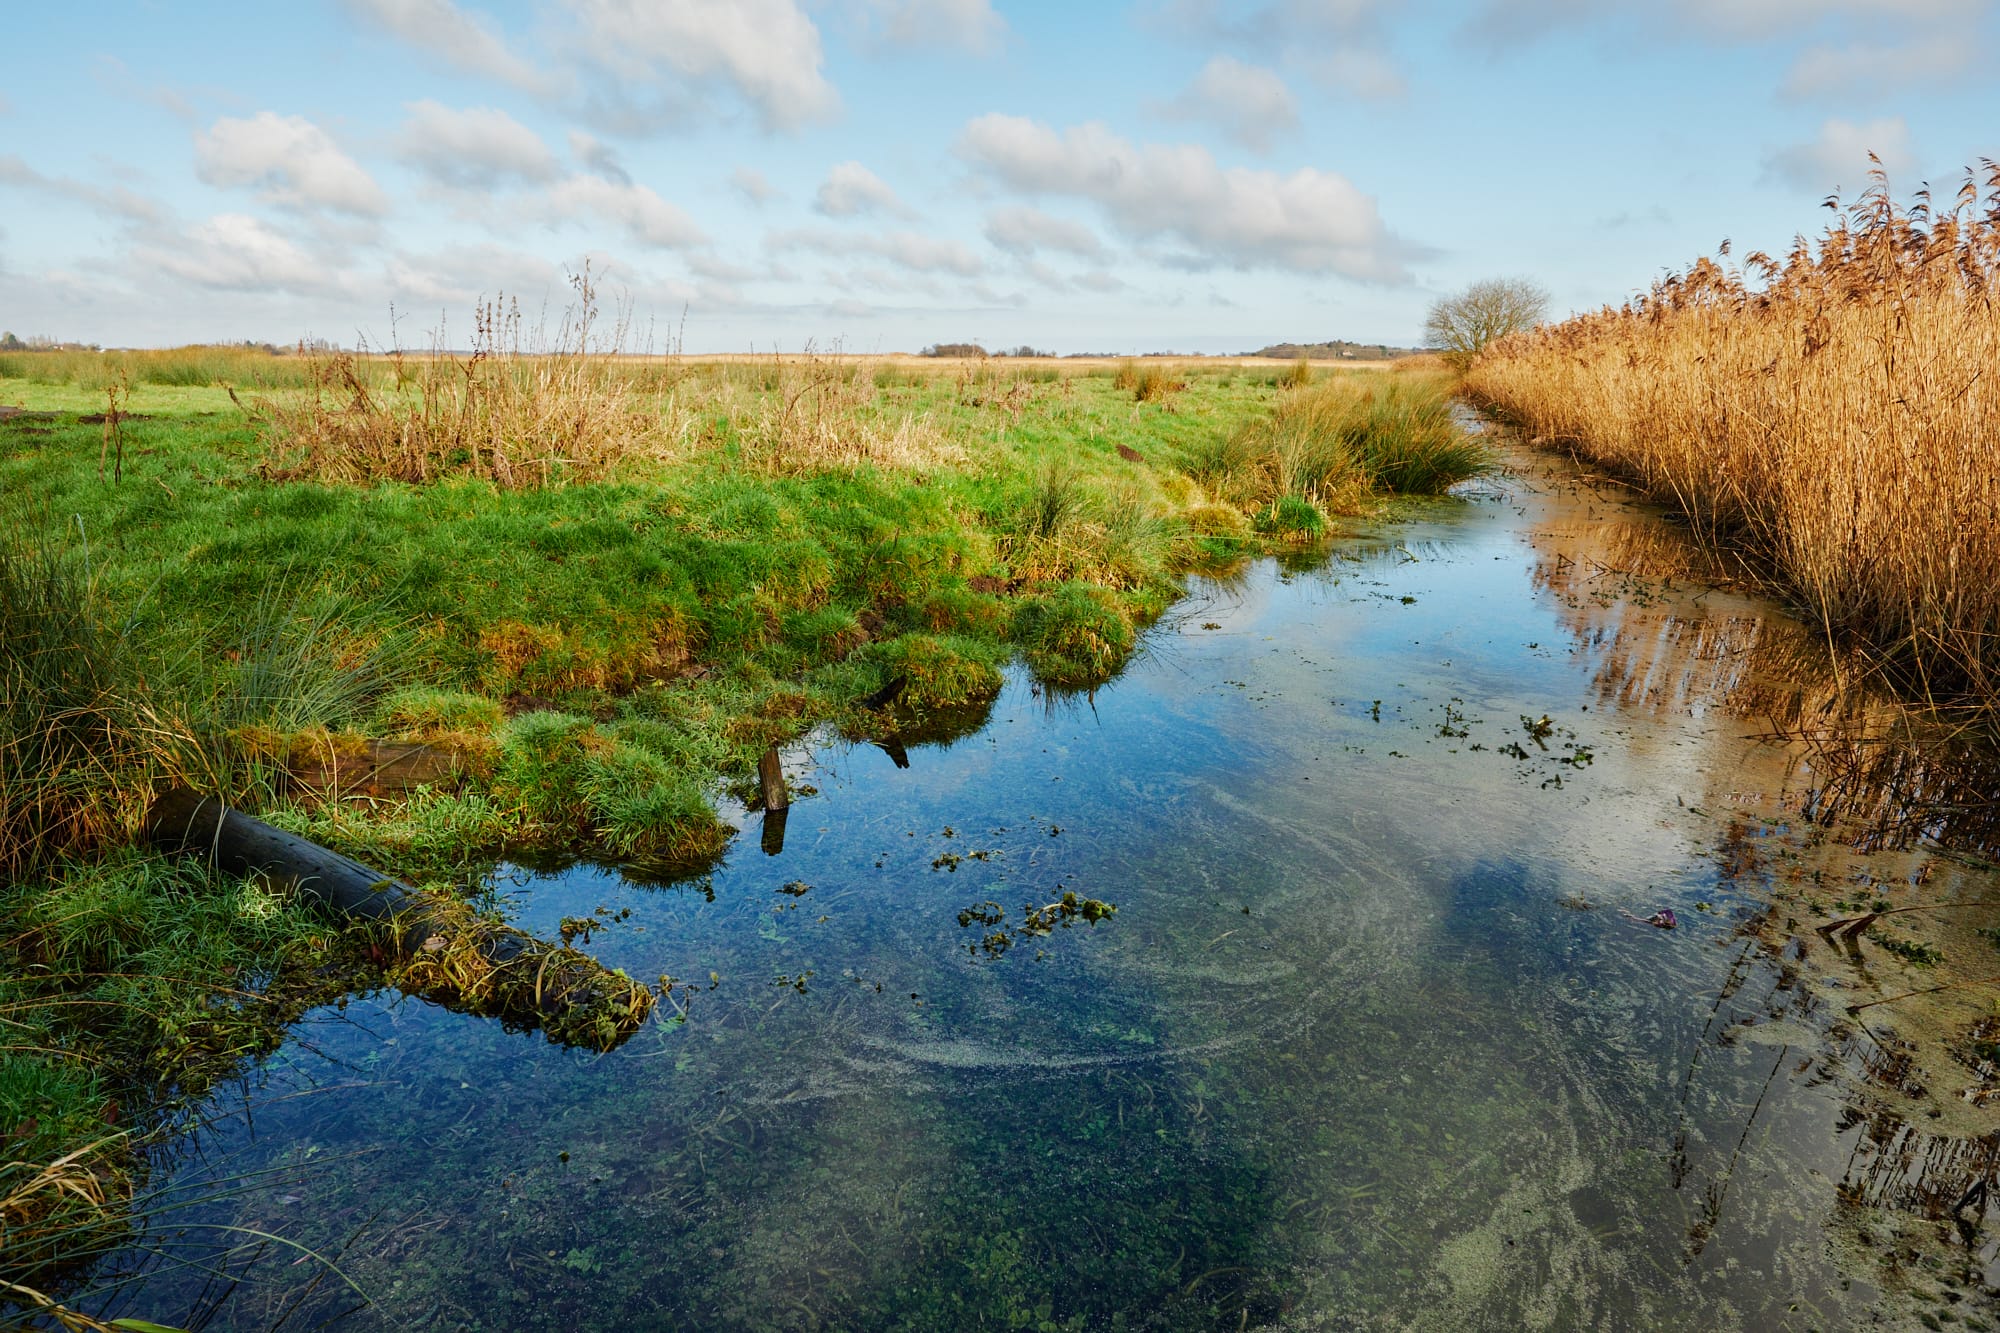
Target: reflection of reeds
(1887, 775)
(1833, 411)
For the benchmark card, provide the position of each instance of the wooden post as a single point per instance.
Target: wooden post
(771, 778)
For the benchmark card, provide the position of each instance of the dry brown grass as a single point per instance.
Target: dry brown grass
(46, 1206)
(817, 413)
(518, 411)
(1834, 413)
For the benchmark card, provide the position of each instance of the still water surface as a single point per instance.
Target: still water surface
(1377, 1038)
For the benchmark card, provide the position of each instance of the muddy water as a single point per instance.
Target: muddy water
(1377, 1038)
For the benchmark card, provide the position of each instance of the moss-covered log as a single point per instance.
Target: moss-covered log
(439, 947)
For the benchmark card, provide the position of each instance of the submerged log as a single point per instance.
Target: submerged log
(373, 768)
(442, 948)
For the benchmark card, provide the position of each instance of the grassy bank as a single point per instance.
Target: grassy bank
(602, 586)
(1832, 412)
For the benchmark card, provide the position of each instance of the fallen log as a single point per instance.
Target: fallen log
(439, 947)
(373, 768)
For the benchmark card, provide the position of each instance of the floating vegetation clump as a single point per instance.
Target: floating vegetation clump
(1038, 920)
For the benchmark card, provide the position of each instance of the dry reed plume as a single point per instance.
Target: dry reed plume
(1833, 413)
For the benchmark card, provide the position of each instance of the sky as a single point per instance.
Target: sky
(880, 175)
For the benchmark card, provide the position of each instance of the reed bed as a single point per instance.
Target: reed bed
(1832, 414)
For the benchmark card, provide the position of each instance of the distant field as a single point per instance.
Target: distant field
(191, 381)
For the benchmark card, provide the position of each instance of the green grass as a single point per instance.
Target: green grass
(179, 367)
(131, 985)
(1332, 441)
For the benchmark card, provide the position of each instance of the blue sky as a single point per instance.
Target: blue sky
(877, 175)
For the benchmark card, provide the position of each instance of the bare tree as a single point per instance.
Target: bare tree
(1463, 324)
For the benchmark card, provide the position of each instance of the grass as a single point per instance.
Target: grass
(245, 367)
(1326, 446)
(607, 584)
(132, 985)
(1831, 413)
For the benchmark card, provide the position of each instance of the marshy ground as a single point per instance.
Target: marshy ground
(1376, 1037)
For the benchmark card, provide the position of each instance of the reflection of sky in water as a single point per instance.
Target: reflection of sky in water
(1351, 1053)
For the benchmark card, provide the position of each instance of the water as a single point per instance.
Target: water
(1377, 1037)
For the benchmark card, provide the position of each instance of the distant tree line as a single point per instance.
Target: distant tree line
(35, 342)
(38, 343)
(1336, 349)
(975, 350)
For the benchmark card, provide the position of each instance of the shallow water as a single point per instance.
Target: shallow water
(1377, 1037)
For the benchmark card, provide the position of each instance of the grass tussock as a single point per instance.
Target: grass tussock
(129, 985)
(1148, 382)
(1328, 445)
(1069, 525)
(65, 740)
(1075, 635)
(1832, 412)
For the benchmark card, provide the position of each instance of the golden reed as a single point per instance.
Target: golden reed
(1835, 414)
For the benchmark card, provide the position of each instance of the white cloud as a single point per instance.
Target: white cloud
(292, 161)
(1336, 42)
(1249, 103)
(116, 200)
(1838, 158)
(1021, 230)
(1358, 71)
(458, 39)
(725, 270)
(905, 249)
(1869, 68)
(476, 148)
(1724, 20)
(1309, 221)
(1752, 19)
(646, 218)
(851, 189)
(457, 277)
(236, 252)
(598, 157)
(968, 24)
(751, 184)
(1271, 26)
(767, 50)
